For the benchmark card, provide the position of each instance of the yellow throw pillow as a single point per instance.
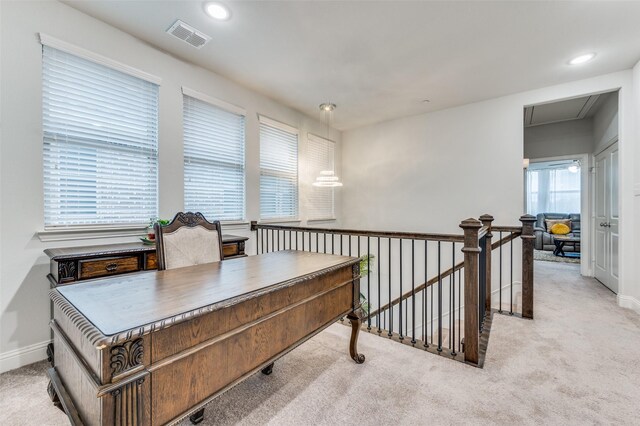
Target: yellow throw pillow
(551, 222)
(560, 229)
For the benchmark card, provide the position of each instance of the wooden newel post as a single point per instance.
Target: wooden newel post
(486, 220)
(527, 264)
(471, 252)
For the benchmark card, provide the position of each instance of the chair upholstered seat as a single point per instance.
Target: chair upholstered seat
(188, 240)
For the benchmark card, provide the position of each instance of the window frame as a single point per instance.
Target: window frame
(230, 108)
(263, 120)
(312, 138)
(71, 231)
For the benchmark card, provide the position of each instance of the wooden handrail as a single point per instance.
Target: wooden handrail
(517, 229)
(363, 233)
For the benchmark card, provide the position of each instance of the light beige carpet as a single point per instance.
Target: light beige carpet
(576, 363)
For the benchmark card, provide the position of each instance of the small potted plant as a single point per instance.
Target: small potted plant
(366, 264)
(151, 232)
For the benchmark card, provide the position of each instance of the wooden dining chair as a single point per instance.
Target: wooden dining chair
(189, 239)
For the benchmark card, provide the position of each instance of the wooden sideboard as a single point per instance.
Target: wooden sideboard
(72, 264)
(150, 349)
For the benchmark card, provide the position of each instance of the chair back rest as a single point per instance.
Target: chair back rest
(189, 239)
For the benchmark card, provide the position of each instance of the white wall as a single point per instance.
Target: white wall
(605, 123)
(24, 306)
(558, 139)
(429, 172)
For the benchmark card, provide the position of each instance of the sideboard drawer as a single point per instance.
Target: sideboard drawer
(108, 266)
(230, 250)
(150, 261)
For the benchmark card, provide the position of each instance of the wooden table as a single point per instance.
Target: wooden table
(155, 347)
(560, 241)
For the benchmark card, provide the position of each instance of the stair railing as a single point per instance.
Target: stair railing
(430, 291)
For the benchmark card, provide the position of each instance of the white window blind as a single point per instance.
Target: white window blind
(278, 171)
(214, 175)
(320, 157)
(553, 188)
(100, 130)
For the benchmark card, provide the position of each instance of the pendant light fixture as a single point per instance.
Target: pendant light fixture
(327, 178)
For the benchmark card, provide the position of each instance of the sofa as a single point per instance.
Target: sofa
(544, 240)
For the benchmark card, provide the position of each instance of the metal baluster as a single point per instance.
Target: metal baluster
(450, 322)
(400, 304)
(390, 307)
(324, 244)
(431, 313)
(368, 283)
(310, 242)
(413, 292)
(278, 231)
(262, 240)
(341, 235)
(453, 299)
(460, 305)
(439, 302)
(511, 279)
(317, 245)
(302, 240)
(424, 299)
(500, 292)
(333, 243)
(379, 300)
(349, 244)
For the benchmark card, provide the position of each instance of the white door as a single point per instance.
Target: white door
(606, 218)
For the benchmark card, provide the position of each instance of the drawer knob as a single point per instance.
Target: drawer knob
(111, 267)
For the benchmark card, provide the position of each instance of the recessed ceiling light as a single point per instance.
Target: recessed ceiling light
(582, 59)
(217, 11)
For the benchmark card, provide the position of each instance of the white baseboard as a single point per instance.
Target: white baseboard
(629, 302)
(20, 357)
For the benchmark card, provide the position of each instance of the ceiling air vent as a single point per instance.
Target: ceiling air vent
(188, 34)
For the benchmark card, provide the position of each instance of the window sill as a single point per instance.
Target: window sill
(88, 233)
(329, 219)
(274, 221)
(234, 225)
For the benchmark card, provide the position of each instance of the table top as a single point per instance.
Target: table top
(123, 303)
(63, 253)
(566, 238)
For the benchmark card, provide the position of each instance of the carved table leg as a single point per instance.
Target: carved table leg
(356, 322)
(54, 396)
(50, 357)
(268, 369)
(197, 417)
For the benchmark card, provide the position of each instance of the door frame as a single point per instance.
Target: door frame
(586, 206)
(602, 149)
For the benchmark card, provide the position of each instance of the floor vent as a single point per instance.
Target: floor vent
(188, 34)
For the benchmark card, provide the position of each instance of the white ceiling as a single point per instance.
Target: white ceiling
(565, 110)
(379, 60)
